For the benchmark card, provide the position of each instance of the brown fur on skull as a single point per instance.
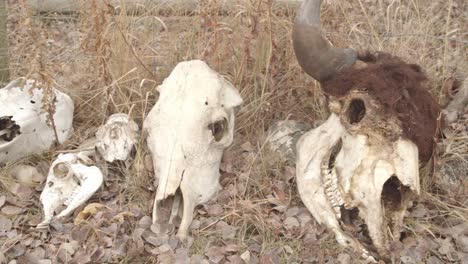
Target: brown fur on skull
(365, 157)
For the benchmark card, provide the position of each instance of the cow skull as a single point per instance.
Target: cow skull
(188, 129)
(24, 125)
(70, 183)
(115, 139)
(364, 156)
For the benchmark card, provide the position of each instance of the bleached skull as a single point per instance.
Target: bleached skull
(70, 183)
(366, 155)
(115, 139)
(188, 129)
(24, 126)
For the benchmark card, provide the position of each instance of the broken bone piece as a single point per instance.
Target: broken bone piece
(282, 137)
(188, 129)
(457, 106)
(115, 139)
(70, 183)
(24, 125)
(26, 174)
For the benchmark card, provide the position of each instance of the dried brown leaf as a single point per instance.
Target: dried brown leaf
(16, 251)
(21, 191)
(231, 248)
(2, 200)
(227, 231)
(120, 246)
(182, 256)
(216, 254)
(11, 210)
(289, 173)
(145, 222)
(82, 257)
(246, 256)
(35, 254)
(214, 209)
(5, 224)
(270, 258)
(291, 223)
(89, 210)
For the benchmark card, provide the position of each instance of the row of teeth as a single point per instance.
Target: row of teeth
(330, 182)
(335, 198)
(75, 191)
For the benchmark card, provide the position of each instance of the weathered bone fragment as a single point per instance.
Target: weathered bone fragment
(457, 106)
(26, 174)
(188, 129)
(24, 126)
(115, 140)
(282, 138)
(70, 183)
(365, 157)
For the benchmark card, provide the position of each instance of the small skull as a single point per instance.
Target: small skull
(115, 140)
(70, 183)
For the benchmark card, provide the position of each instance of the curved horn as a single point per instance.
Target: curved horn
(313, 52)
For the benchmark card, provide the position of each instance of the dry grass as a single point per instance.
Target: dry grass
(113, 63)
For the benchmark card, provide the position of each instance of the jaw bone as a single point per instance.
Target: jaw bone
(188, 129)
(376, 177)
(70, 183)
(115, 139)
(24, 126)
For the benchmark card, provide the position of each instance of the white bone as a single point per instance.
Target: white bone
(115, 139)
(361, 168)
(180, 129)
(69, 183)
(21, 110)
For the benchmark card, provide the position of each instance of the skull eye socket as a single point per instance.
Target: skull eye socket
(61, 170)
(356, 111)
(218, 129)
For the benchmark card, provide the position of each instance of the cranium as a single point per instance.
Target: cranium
(115, 139)
(24, 126)
(188, 129)
(366, 155)
(70, 183)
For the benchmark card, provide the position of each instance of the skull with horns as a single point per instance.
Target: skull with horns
(364, 160)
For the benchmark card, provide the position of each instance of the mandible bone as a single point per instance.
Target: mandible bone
(115, 140)
(188, 129)
(24, 125)
(70, 182)
(366, 156)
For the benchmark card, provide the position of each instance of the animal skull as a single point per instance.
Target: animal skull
(341, 166)
(188, 129)
(366, 155)
(70, 183)
(115, 139)
(24, 126)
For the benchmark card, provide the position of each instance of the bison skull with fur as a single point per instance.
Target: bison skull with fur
(188, 129)
(364, 159)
